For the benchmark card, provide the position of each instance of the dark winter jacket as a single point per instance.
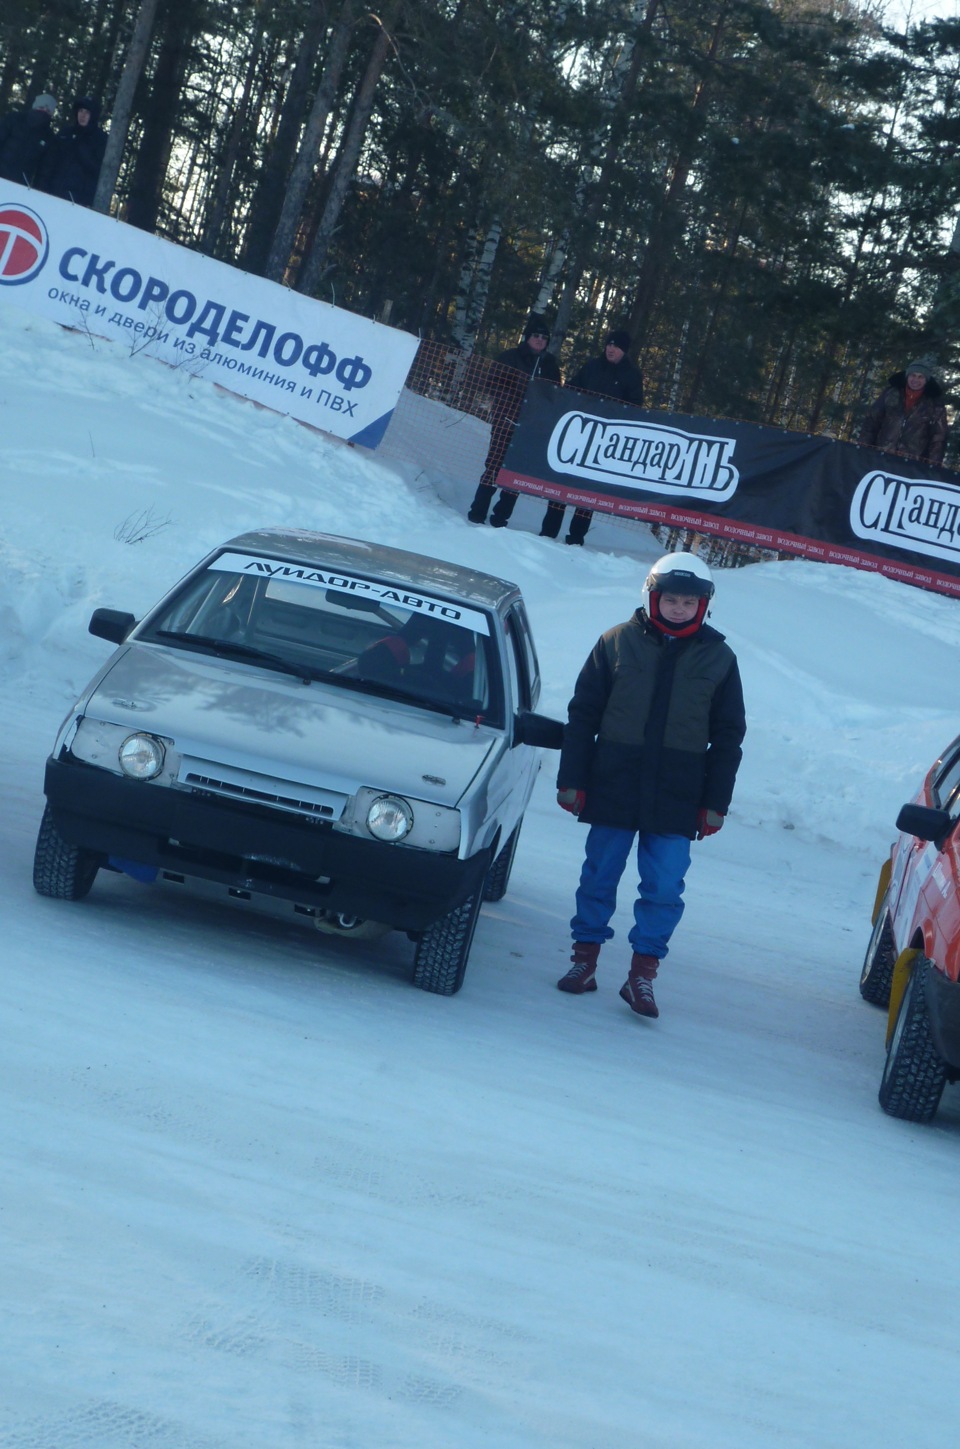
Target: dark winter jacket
(24, 139)
(655, 727)
(72, 166)
(622, 379)
(920, 433)
(534, 364)
(510, 391)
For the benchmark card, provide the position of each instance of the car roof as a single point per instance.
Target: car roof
(411, 570)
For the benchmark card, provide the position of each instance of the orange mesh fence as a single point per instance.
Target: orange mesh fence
(469, 384)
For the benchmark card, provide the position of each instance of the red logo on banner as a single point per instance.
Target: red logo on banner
(23, 245)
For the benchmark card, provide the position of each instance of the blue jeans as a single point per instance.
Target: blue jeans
(662, 863)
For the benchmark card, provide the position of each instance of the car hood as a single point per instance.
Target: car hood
(317, 734)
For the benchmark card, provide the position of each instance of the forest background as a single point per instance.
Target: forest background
(766, 193)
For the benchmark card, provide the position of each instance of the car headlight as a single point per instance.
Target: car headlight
(389, 818)
(141, 757)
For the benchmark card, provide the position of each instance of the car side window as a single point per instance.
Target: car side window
(519, 668)
(529, 652)
(946, 784)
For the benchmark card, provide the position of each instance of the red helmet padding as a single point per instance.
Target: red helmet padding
(679, 631)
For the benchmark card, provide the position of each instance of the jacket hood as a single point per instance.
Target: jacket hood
(931, 390)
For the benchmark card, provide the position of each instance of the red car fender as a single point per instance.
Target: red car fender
(941, 895)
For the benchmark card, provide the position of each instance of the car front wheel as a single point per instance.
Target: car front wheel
(440, 960)
(62, 871)
(878, 963)
(913, 1076)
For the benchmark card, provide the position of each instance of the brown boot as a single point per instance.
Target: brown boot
(582, 974)
(637, 990)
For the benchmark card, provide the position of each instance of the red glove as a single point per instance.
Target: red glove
(572, 800)
(708, 823)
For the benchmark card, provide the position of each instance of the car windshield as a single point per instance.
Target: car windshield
(362, 634)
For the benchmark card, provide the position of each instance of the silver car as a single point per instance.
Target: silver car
(324, 726)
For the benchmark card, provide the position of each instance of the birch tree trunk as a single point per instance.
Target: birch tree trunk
(551, 274)
(461, 301)
(480, 290)
(123, 104)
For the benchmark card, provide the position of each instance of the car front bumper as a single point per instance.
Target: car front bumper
(252, 848)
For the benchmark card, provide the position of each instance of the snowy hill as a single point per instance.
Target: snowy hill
(260, 1193)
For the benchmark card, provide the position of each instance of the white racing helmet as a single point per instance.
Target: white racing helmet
(678, 573)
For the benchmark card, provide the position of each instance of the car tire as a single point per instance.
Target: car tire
(877, 973)
(914, 1076)
(498, 876)
(65, 872)
(440, 960)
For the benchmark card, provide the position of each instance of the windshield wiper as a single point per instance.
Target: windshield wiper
(233, 649)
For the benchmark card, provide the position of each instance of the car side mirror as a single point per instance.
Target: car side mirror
(537, 729)
(111, 624)
(925, 823)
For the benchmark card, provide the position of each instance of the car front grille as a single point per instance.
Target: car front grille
(255, 789)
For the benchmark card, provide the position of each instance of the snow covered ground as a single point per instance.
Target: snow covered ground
(258, 1192)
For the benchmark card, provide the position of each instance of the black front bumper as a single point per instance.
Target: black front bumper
(252, 848)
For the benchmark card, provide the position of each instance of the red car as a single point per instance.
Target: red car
(912, 963)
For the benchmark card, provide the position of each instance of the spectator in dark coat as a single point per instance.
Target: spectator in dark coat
(72, 167)
(25, 137)
(650, 755)
(531, 359)
(612, 374)
(909, 417)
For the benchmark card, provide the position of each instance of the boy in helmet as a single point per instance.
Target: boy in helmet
(650, 753)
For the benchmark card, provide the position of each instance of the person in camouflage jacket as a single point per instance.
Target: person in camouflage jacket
(909, 416)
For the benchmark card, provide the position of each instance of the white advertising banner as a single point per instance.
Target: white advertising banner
(325, 366)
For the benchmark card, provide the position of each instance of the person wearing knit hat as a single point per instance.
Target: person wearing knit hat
(25, 137)
(509, 380)
(536, 326)
(612, 374)
(909, 417)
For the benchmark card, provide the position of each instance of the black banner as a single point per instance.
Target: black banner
(791, 492)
